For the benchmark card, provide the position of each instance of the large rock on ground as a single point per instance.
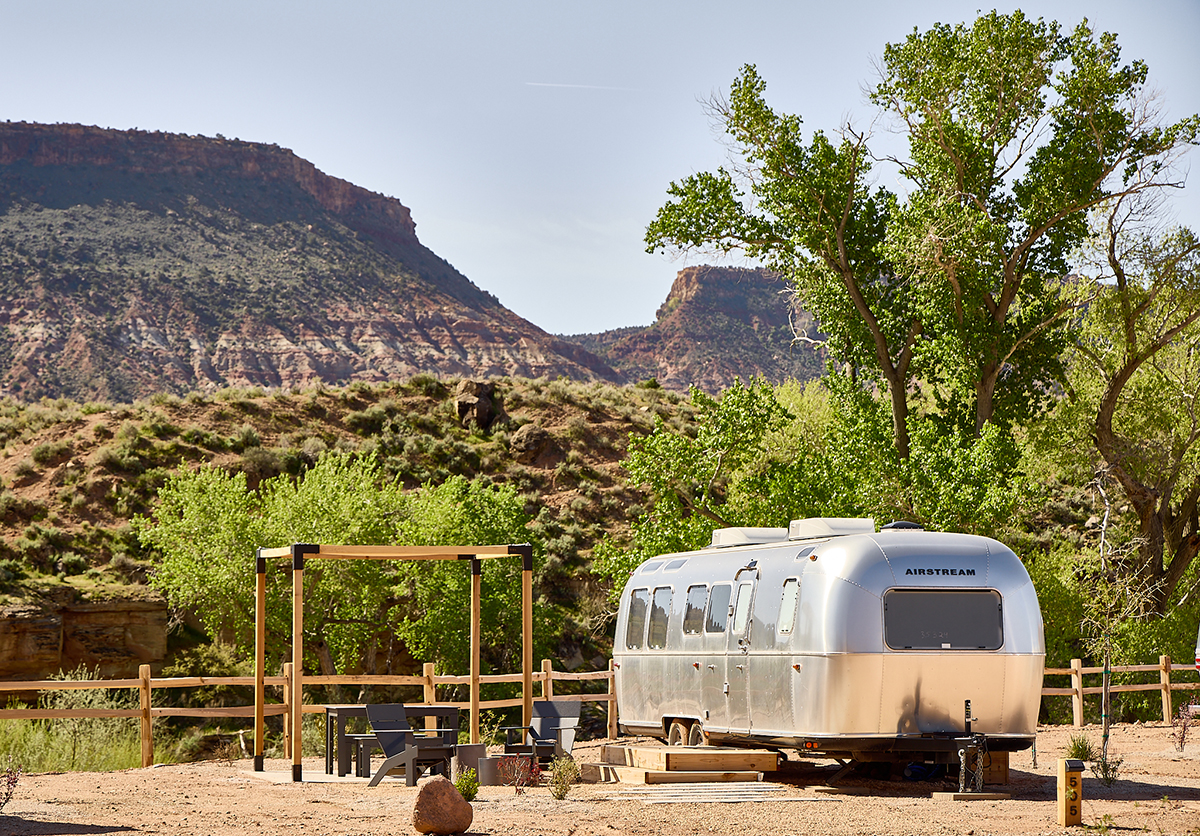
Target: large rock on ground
(440, 808)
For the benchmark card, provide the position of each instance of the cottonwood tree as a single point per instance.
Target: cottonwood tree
(208, 524)
(1015, 131)
(1136, 375)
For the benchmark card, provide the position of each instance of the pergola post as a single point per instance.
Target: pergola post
(297, 706)
(476, 589)
(527, 634)
(260, 657)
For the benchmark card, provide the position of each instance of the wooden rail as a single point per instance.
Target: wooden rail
(145, 685)
(429, 682)
(1078, 691)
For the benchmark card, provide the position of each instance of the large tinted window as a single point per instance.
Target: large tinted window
(639, 602)
(920, 619)
(660, 614)
(693, 615)
(787, 606)
(718, 609)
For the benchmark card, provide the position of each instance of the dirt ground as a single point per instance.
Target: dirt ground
(1158, 792)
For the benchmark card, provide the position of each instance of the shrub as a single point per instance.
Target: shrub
(369, 421)
(1080, 748)
(51, 453)
(245, 437)
(12, 775)
(1181, 724)
(72, 564)
(519, 772)
(25, 469)
(563, 773)
(86, 744)
(467, 784)
(1107, 769)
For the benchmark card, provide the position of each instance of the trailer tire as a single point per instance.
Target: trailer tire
(696, 735)
(677, 734)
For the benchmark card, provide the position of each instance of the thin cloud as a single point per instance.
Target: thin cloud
(577, 86)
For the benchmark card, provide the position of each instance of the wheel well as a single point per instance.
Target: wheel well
(687, 721)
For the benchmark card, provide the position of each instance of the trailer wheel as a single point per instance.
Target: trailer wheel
(696, 735)
(677, 734)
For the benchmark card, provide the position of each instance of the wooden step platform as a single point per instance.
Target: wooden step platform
(678, 764)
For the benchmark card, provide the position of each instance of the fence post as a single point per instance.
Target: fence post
(1164, 677)
(147, 727)
(287, 714)
(1077, 697)
(612, 703)
(547, 683)
(430, 694)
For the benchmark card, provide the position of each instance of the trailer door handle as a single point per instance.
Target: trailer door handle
(712, 667)
(740, 667)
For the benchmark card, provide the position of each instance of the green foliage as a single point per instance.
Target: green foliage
(763, 457)
(1107, 769)
(51, 453)
(467, 784)
(1080, 748)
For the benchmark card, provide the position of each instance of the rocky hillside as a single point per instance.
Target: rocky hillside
(73, 577)
(133, 263)
(717, 324)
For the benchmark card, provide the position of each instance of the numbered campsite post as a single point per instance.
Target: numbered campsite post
(1070, 792)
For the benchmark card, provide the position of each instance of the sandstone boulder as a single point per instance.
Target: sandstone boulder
(440, 808)
(532, 444)
(477, 404)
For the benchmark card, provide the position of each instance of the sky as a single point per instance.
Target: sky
(533, 141)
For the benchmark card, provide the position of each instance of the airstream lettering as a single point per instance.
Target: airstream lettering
(830, 637)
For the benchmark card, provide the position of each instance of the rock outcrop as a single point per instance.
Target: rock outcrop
(112, 638)
(716, 324)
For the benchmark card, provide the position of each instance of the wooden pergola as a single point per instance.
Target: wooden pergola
(298, 552)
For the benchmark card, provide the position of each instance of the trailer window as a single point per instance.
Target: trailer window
(639, 602)
(921, 619)
(787, 606)
(718, 609)
(693, 614)
(660, 615)
(741, 607)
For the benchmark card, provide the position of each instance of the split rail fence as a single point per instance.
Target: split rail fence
(1077, 691)
(428, 681)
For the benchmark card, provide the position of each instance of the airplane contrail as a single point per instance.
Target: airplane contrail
(575, 86)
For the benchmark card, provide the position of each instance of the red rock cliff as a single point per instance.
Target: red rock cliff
(147, 152)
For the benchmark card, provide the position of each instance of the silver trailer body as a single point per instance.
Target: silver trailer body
(832, 638)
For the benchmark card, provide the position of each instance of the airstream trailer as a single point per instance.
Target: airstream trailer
(833, 639)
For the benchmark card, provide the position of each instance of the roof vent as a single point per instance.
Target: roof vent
(725, 537)
(815, 527)
(902, 525)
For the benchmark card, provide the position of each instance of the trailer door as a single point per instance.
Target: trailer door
(738, 652)
(713, 676)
